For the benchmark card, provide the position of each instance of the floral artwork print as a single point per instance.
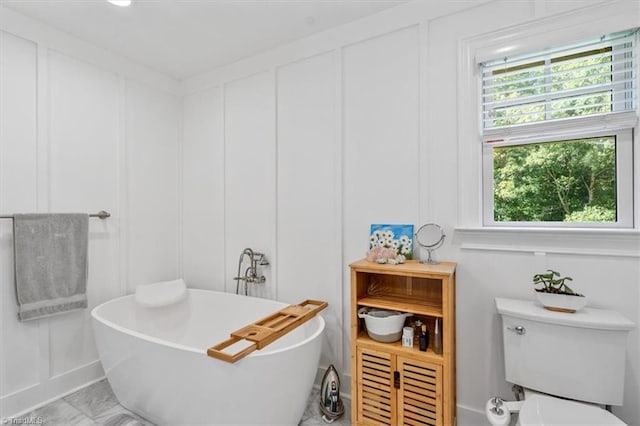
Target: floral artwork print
(398, 238)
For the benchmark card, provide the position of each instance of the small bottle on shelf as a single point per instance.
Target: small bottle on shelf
(424, 338)
(437, 338)
(417, 329)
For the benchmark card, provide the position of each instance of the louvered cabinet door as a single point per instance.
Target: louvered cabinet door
(376, 395)
(420, 393)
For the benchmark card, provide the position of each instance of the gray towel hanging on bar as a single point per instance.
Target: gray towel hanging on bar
(50, 255)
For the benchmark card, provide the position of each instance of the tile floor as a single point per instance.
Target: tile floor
(96, 405)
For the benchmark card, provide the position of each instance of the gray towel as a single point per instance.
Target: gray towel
(50, 255)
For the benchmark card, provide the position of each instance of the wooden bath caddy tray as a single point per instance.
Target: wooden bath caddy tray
(263, 332)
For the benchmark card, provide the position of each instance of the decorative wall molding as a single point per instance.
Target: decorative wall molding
(66, 178)
(377, 25)
(30, 29)
(27, 399)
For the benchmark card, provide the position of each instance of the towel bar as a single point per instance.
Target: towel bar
(101, 214)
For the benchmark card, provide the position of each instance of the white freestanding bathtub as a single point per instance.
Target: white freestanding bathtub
(155, 360)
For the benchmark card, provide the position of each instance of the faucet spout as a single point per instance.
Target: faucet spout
(246, 252)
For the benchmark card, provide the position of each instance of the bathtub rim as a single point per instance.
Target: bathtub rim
(146, 337)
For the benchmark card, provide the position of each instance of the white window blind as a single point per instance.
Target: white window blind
(594, 78)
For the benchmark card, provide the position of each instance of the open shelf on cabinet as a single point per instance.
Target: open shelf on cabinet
(398, 349)
(403, 304)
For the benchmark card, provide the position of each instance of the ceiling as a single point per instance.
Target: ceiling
(182, 38)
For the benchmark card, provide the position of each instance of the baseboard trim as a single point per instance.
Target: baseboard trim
(33, 397)
(468, 416)
(30, 398)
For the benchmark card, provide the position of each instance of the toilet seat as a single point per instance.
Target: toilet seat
(544, 410)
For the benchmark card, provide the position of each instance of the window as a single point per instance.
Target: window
(557, 132)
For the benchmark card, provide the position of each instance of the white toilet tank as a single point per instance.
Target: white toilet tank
(579, 356)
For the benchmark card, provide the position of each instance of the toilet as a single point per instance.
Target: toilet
(570, 365)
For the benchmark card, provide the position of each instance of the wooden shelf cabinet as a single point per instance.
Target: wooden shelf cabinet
(392, 384)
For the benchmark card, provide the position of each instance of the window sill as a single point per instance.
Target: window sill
(591, 242)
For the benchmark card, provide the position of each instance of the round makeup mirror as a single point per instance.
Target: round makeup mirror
(430, 237)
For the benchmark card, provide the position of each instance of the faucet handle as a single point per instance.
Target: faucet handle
(256, 280)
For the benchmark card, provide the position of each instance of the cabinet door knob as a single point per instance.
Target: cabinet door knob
(396, 379)
(518, 329)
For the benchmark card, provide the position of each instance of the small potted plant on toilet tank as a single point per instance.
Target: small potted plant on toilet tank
(555, 294)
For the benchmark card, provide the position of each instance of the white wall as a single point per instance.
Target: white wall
(250, 182)
(294, 152)
(78, 133)
(308, 209)
(362, 124)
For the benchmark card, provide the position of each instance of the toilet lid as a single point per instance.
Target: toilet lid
(543, 410)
